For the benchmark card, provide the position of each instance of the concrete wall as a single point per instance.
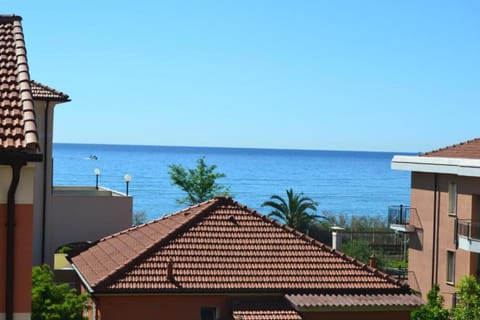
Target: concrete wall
(82, 216)
(421, 243)
(23, 241)
(43, 172)
(186, 307)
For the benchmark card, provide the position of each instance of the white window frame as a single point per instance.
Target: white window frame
(450, 276)
(452, 198)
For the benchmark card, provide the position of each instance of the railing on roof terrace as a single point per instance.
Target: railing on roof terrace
(399, 215)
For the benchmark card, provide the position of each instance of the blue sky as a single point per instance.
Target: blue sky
(339, 75)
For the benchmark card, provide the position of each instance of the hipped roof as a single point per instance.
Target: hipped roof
(468, 150)
(223, 246)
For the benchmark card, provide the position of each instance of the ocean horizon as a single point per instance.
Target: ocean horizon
(342, 182)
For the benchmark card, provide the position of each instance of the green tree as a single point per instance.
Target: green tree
(52, 301)
(297, 211)
(199, 183)
(433, 309)
(139, 217)
(468, 306)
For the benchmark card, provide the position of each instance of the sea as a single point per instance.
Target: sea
(352, 183)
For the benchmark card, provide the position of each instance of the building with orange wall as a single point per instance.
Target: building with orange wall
(443, 226)
(222, 260)
(19, 153)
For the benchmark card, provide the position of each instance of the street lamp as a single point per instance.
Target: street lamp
(127, 179)
(97, 173)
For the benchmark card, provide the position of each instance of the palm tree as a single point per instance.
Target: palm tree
(297, 211)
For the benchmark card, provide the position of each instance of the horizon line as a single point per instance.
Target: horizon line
(230, 147)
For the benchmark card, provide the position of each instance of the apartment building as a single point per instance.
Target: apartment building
(442, 223)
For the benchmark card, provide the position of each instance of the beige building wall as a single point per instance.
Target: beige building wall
(43, 173)
(81, 214)
(422, 242)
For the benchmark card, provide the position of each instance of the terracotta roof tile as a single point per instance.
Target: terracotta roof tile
(468, 149)
(17, 114)
(45, 93)
(354, 300)
(264, 311)
(220, 246)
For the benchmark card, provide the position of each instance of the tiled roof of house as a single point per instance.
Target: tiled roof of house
(353, 300)
(468, 149)
(222, 246)
(264, 311)
(45, 93)
(18, 129)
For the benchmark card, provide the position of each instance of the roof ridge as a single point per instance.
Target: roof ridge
(23, 79)
(211, 203)
(323, 246)
(9, 18)
(450, 146)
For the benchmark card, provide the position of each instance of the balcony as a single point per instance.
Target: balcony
(468, 235)
(399, 219)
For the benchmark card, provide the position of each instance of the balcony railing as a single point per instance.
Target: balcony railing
(399, 218)
(468, 235)
(398, 215)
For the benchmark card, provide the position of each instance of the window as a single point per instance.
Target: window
(208, 313)
(452, 198)
(450, 267)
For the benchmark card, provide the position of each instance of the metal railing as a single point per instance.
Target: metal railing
(398, 215)
(469, 229)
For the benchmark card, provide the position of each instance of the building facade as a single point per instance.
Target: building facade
(443, 225)
(19, 157)
(222, 260)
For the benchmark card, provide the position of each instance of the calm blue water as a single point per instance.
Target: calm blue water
(343, 182)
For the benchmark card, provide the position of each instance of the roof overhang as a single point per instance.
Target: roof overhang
(455, 166)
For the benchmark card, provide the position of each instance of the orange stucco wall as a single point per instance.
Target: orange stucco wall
(188, 307)
(357, 315)
(421, 243)
(23, 257)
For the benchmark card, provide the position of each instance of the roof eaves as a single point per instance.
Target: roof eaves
(54, 95)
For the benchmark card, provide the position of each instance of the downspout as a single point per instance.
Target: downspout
(17, 163)
(44, 202)
(435, 188)
(437, 245)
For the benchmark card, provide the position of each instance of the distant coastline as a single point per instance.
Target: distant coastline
(233, 148)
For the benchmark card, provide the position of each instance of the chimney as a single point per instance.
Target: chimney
(170, 269)
(337, 237)
(373, 261)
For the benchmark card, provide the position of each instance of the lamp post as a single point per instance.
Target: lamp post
(127, 179)
(97, 173)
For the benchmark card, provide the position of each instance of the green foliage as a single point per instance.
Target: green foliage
(64, 249)
(54, 302)
(200, 183)
(433, 309)
(361, 250)
(468, 293)
(358, 223)
(297, 211)
(139, 217)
